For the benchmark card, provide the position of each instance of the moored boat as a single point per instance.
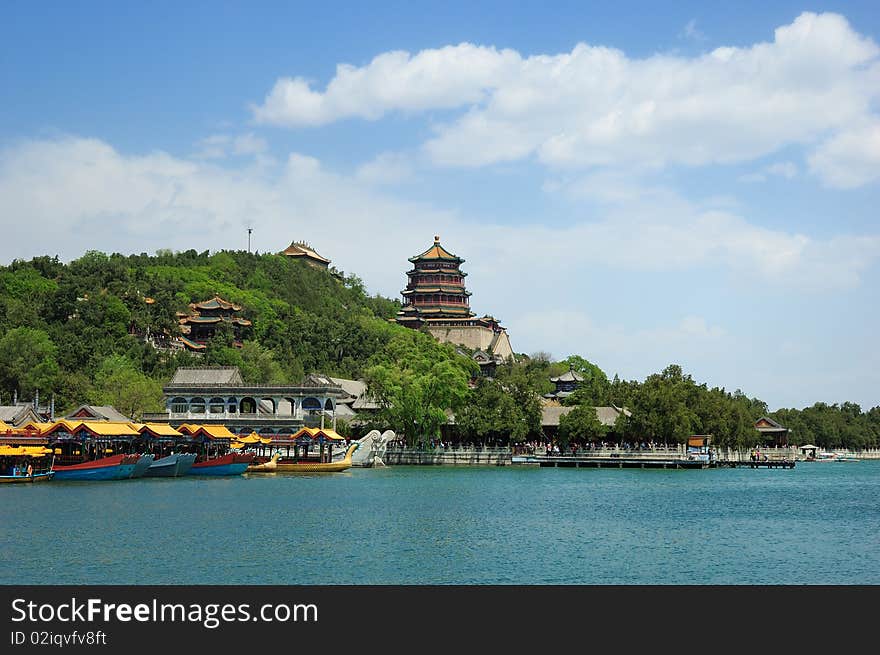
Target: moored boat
(173, 466)
(266, 467)
(228, 464)
(25, 464)
(142, 465)
(316, 466)
(114, 467)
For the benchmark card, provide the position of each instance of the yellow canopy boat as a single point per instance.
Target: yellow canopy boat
(318, 467)
(25, 464)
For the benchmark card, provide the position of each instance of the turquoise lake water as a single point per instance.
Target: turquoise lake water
(814, 524)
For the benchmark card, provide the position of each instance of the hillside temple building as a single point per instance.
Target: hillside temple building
(200, 325)
(435, 298)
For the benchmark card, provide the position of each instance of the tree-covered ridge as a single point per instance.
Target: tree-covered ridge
(77, 330)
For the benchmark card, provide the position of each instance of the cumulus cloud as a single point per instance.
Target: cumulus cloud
(386, 168)
(219, 146)
(850, 159)
(785, 169)
(63, 192)
(595, 106)
(631, 353)
(432, 79)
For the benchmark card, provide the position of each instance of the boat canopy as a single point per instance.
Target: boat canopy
(157, 430)
(306, 436)
(253, 437)
(207, 431)
(30, 451)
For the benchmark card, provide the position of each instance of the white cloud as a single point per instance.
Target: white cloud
(850, 159)
(691, 32)
(65, 192)
(219, 146)
(386, 168)
(615, 348)
(786, 169)
(432, 79)
(596, 106)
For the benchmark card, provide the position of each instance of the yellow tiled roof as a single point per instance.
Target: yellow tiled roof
(436, 252)
(217, 431)
(158, 429)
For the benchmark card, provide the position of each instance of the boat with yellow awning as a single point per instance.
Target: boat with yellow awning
(312, 452)
(25, 464)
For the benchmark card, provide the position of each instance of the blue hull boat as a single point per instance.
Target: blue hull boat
(231, 464)
(117, 467)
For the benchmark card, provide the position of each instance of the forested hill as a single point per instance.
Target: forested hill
(84, 332)
(77, 330)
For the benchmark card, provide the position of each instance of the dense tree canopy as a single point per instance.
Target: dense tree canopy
(60, 324)
(84, 332)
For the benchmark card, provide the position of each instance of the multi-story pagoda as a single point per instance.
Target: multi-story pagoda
(201, 323)
(435, 298)
(435, 291)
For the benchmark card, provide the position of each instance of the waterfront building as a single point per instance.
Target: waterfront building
(217, 395)
(97, 413)
(551, 413)
(201, 324)
(303, 251)
(435, 299)
(18, 414)
(566, 384)
(772, 433)
(357, 406)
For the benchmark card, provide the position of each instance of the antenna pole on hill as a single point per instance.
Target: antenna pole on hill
(249, 238)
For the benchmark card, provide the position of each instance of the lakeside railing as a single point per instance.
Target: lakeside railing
(778, 453)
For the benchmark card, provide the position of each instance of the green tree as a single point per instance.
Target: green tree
(581, 424)
(416, 381)
(120, 384)
(492, 413)
(27, 362)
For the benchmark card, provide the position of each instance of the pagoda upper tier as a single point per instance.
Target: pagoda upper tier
(435, 288)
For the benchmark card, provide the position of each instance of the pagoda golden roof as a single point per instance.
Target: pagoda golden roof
(436, 251)
(300, 249)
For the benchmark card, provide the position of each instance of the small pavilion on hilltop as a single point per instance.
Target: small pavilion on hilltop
(201, 323)
(303, 251)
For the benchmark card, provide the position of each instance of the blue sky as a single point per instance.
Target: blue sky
(635, 183)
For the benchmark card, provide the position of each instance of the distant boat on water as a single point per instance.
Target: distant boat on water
(836, 457)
